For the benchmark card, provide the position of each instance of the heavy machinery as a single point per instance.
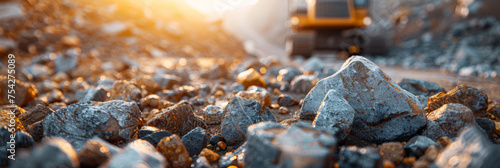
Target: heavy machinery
(334, 25)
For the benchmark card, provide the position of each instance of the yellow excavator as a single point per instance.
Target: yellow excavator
(333, 25)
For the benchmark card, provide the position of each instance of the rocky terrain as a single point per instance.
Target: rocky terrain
(97, 87)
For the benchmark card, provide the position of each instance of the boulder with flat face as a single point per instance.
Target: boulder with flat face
(384, 111)
(335, 114)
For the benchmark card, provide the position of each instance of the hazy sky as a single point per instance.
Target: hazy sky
(208, 6)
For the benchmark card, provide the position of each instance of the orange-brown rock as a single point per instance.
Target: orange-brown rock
(174, 151)
(251, 77)
(24, 92)
(392, 151)
(38, 113)
(471, 97)
(210, 155)
(262, 97)
(8, 119)
(178, 119)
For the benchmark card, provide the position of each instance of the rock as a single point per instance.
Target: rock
(138, 153)
(57, 105)
(262, 97)
(494, 110)
(238, 115)
(213, 114)
(156, 137)
(235, 158)
(53, 96)
(335, 114)
(289, 122)
(70, 41)
(46, 86)
(251, 77)
(113, 121)
(487, 125)
(272, 145)
(25, 92)
(125, 90)
(167, 81)
(283, 110)
(444, 141)
(54, 152)
(473, 98)
(201, 162)
(36, 130)
(383, 109)
(287, 74)
(471, 149)
(237, 87)
(392, 151)
(222, 145)
(420, 87)
(152, 101)
(417, 145)
(448, 121)
(146, 130)
(174, 151)
(65, 63)
(8, 118)
(38, 71)
(286, 100)
(35, 114)
(195, 140)
(12, 10)
(178, 119)
(303, 83)
(215, 139)
(95, 94)
(210, 155)
(96, 152)
(352, 156)
(314, 64)
(24, 140)
(216, 71)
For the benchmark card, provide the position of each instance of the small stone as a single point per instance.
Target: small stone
(221, 145)
(275, 106)
(272, 145)
(36, 130)
(71, 41)
(283, 110)
(95, 152)
(54, 96)
(174, 151)
(420, 87)
(448, 121)
(210, 155)
(156, 137)
(167, 81)
(202, 162)
(237, 87)
(125, 90)
(389, 164)
(303, 83)
(335, 114)
(46, 86)
(146, 130)
(195, 140)
(286, 100)
(314, 64)
(287, 74)
(409, 160)
(95, 94)
(65, 63)
(25, 92)
(213, 114)
(431, 153)
(262, 97)
(216, 71)
(137, 153)
(474, 99)
(234, 159)
(6, 116)
(392, 151)
(215, 139)
(384, 111)
(352, 156)
(54, 152)
(494, 110)
(24, 140)
(178, 119)
(238, 115)
(112, 121)
(444, 141)
(152, 101)
(487, 125)
(471, 149)
(38, 113)
(289, 122)
(251, 77)
(417, 145)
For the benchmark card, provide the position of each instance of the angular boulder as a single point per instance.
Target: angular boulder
(178, 119)
(335, 114)
(471, 149)
(448, 121)
(239, 114)
(113, 121)
(384, 111)
(195, 140)
(471, 97)
(273, 145)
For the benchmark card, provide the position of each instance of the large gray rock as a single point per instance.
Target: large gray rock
(273, 145)
(113, 121)
(55, 152)
(448, 121)
(384, 111)
(471, 149)
(178, 119)
(335, 114)
(138, 153)
(238, 115)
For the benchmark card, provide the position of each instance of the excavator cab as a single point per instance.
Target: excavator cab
(331, 25)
